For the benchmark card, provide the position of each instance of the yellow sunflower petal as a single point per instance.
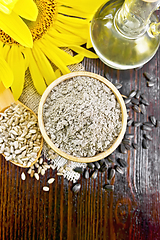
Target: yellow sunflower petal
(68, 38)
(26, 9)
(54, 41)
(17, 64)
(4, 51)
(7, 6)
(72, 21)
(56, 59)
(14, 26)
(26, 58)
(83, 51)
(73, 12)
(67, 58)
(79, 57)
(76, 31)
(88, 6)
(58, 73)
(6, 75)
(36, 75)
(4, 9)
(44, 65)
(1, 44)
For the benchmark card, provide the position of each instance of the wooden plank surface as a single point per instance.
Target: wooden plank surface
(131, 211)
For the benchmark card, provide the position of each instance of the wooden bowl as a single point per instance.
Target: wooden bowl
(119, 99)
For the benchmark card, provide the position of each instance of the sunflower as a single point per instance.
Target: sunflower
(11, 14)
(6, 75)
(59, 24)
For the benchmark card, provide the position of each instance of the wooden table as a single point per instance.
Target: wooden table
(131, 211)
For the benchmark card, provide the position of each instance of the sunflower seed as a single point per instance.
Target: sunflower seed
(14, 132)
(104, 167)
(149, 77)
(60, 174)
(18, 151)
(97, 165)
(51, 180)
(110, 158)
(127, 146)
(36, 175)
(45, 168)
(23, 176)
(76, 187)
(90, 165)
(145, 102)
(138, 93)
(29, 171)
(108, 187)
(78, 169)
(126, 141)
(136, 124)
(135, 101)
(86, 174)
(94, 174)
(143, 109)
(149, 124)
(136, 109)
(150, 84)
(132, 94)
(111, 173)
(122, 162)
(145, 144)
(127, 100)
(143, 96)
(129, 122)
(118, 85)
(39, 170)
(153, 120)
(146, 128)
(45, 188)
(123, 149)
(148, 137)
(129, 136)
(36, 165)
(119, 169)
(40, 160)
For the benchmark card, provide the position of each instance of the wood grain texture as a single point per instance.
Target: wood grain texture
(131, 212)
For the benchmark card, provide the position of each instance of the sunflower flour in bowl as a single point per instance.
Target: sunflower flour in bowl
(82, 116)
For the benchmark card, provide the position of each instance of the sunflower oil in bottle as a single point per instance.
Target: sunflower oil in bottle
(122, 44)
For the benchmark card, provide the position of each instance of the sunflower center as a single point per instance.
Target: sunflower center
(46, 16)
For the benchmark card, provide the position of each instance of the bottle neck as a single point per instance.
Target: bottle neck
(132, 20)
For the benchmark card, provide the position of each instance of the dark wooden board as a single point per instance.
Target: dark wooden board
(131, 211)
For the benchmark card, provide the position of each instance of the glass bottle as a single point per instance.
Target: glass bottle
(125, 34)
